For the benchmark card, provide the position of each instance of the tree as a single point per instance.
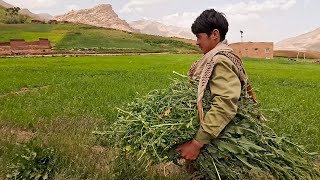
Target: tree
(12, 11)
(13, 16)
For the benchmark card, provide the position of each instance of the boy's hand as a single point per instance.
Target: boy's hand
(190, 150)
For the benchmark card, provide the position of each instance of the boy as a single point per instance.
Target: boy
(219, 70)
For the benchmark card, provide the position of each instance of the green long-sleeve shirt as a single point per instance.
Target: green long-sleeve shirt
(225, 88)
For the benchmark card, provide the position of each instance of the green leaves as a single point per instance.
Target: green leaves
(33, 162)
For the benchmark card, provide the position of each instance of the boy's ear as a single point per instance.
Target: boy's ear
(215, 34)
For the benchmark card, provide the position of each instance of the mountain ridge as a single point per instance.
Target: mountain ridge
(307, 41)
(5, 4)
(41, 17)
(157, 28)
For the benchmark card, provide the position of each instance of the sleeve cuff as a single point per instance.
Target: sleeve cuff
(203, 137)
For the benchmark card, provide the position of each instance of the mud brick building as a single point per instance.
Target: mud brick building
(253, 49)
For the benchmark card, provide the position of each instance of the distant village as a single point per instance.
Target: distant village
(15, 46)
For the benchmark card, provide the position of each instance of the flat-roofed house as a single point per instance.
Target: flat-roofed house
(253, 49)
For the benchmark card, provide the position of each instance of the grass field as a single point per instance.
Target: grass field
(60, 101)
(75, 37)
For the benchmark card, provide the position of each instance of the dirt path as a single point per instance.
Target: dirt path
(79, 55)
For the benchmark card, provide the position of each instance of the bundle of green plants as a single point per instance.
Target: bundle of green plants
(152, 126)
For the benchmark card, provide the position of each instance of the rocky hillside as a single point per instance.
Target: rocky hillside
(308, 41)
(156, 28)
(100, 16)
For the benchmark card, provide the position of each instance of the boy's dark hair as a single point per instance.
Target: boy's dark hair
(208, 21)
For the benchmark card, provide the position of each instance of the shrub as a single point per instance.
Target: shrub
(33, 162)
(16, 19)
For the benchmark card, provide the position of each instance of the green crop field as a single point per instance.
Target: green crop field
(60, 101)
(75, 37)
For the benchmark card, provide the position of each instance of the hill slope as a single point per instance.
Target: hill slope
(23, 11)
(84, 37)
(5, 5)
(157, 28)
(42, 17)
(45, 16)
(100, 16)
(2, 14)
(309, 41)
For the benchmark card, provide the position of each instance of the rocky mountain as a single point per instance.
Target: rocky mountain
(100, 16)
(6, 5)
(157, 28)
(309, 41)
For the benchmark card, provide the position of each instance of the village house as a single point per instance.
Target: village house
(253, 49)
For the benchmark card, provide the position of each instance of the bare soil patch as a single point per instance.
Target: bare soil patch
(19, 134)
(317, 163)
(168, 169)
(25, 90)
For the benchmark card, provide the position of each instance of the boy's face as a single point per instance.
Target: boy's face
(206, 43)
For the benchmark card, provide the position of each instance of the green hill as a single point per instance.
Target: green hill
(83, 37)
(13, 18)
(2, 14)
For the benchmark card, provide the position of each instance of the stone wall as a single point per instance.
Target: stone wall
(20, 46)
(253, 49)
(300, 54)
(4, 43)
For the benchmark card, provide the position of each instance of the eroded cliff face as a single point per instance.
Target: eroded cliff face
(100, 16)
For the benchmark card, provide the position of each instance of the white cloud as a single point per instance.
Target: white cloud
(180, 19)
(248, 17)
(242, 11)
(33, 3)
(245, 15)
(53, 7)
(306, 3)
(137, 5)
(72, 7)
(256, 7)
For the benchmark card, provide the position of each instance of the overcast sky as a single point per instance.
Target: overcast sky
(260, 20)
